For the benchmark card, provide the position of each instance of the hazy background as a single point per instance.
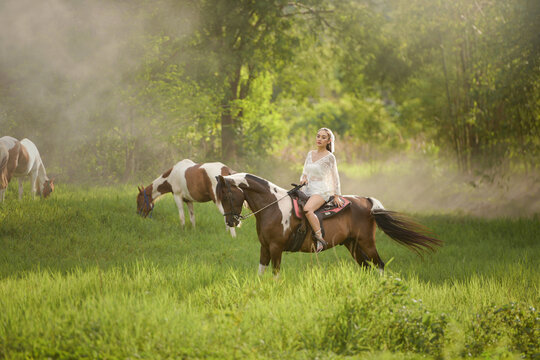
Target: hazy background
(435, 104)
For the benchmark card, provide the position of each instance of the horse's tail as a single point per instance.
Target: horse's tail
(402, 229)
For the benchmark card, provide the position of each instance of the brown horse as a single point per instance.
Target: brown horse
(354, 227)
(22, 159)
(188, 182)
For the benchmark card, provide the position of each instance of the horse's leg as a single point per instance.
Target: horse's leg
(232, 230)
(20, 188)
(2, 194)
(264, 259)
(275, 255)
(356, 252)
(191, 213)
(364, 252)
(370, 251)
(33, 182)
(180, 205)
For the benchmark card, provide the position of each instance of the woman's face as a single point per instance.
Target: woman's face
(322, 139)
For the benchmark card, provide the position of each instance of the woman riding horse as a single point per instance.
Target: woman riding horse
(321, 178)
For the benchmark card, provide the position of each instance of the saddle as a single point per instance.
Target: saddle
(326, 211)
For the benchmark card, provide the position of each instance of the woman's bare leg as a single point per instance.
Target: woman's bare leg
(314, 203)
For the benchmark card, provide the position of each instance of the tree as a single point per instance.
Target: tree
(240, 41)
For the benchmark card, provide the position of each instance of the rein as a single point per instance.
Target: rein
(239, 217)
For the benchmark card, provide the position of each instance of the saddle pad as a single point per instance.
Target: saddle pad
(326, 211)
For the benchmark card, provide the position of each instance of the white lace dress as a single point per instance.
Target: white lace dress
(322, 176)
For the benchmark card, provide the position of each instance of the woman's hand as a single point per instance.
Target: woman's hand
(304, 181)
(337, 201)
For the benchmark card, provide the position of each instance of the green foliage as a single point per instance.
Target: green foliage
(237, 80)
(515, 326)
(387, 319)
(262, 125)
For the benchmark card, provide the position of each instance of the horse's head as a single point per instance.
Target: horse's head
(231, 198)
(144, 202)
(48, 187)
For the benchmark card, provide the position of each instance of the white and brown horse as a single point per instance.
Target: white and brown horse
(188, 182)
(354, 227)
(21, 159)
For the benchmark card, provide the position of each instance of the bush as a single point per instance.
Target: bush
(388, 319)
(515, 323)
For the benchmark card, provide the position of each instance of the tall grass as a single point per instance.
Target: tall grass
(81, 275)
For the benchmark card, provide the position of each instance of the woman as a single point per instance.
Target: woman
(322, 181)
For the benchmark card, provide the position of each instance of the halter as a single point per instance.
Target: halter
(239, 217)
(147, 203)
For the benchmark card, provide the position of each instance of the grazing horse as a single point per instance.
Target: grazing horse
(354, 227)
(23, 160)
(189, 182)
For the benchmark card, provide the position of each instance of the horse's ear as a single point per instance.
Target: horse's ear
(220, 179)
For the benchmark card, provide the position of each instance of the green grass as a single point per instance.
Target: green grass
(81, 275)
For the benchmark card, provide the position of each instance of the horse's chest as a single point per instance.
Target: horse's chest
(278, 223)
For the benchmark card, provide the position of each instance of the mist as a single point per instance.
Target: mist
(427, 186)
(67, 78)
(80, 46)
(68, 73)
(61, 58)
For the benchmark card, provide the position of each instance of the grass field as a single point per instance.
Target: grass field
(82, 276)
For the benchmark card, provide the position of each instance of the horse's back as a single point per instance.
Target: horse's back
(8, 141)
(361, 202)
(214, 169)
(30, 146)
(184, 164)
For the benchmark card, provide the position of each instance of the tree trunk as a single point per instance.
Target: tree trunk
(228, 144)
(228, 123)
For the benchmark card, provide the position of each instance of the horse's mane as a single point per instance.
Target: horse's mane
(239, 178)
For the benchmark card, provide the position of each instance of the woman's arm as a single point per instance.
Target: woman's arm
(335, 181)
(303, 178)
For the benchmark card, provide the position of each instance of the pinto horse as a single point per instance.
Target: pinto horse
(21, 159)
(189, 182)
(354, 227)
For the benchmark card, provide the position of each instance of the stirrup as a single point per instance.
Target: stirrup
(321, 244)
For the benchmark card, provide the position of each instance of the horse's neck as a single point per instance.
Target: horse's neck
(162, 189)
(41, 174)
(258, 196)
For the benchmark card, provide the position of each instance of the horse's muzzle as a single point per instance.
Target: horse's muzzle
(233, 221)
(144, 213)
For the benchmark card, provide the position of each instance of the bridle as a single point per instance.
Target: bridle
(239, 217)
(236, 217)
(147, 203)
